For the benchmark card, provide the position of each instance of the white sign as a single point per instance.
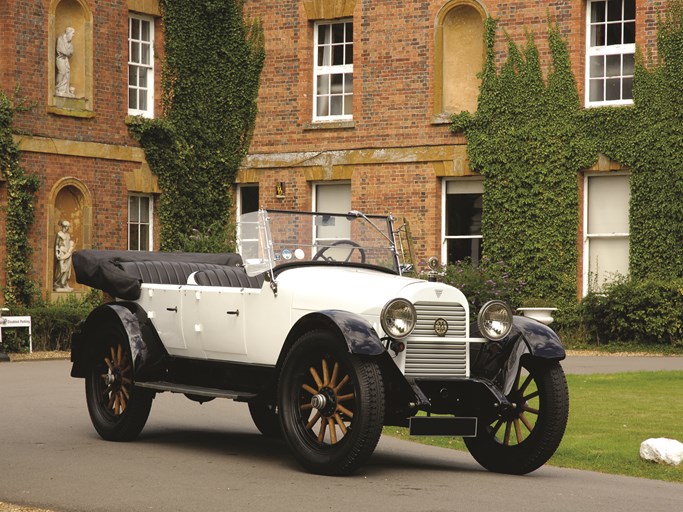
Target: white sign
(17, 321)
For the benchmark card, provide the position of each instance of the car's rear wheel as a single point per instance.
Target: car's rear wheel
(117, 408)
(331, 404)
(523, 439)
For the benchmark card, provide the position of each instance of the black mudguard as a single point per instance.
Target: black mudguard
(360, 336)
(146, 348)
(499, 361)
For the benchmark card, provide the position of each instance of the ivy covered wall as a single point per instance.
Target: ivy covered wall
(531, 140)
(210, 81)
(19, 289)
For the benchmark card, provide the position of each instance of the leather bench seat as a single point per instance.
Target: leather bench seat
(164, 272)
(235, 277)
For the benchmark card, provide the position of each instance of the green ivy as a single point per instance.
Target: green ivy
(20, 289)
(211, 73)
(527, 141)
(530, 139)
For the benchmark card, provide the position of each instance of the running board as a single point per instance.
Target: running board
(240, 396)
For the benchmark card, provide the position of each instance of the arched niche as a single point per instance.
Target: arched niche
(62, 15)
(459, 56)
(70, 200)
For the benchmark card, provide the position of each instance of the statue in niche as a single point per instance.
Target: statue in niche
(65, 49)
(64, 248)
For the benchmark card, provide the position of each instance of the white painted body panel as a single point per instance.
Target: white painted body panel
(206, 325)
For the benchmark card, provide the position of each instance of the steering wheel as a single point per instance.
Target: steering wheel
(320, 255)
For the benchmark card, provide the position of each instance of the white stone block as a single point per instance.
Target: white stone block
(662, 451)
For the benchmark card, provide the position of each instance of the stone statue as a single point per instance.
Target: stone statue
(64, 248)
(65, 49)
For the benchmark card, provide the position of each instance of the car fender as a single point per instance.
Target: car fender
(528, 338)
(359, 334)
(146, 347)
(533, 338)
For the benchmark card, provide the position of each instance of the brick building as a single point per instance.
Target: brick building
(354, 112)
(76, 139)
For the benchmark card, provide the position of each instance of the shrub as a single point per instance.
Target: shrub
(647, 311)
(51, 324)
(487, 281)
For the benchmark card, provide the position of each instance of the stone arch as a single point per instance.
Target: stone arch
(75, 14)
(69, 200)
(460, 52)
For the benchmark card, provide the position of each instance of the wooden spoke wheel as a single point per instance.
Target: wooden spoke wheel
(524, 437)
(331, 404)
(117, 409)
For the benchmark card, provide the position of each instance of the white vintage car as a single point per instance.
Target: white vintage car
(314, 326)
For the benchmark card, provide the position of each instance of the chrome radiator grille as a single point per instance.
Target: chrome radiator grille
(429, 355)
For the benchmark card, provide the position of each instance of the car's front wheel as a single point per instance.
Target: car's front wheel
(117, 408)
(523, 438)
(331, 404)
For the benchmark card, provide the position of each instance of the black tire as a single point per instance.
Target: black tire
(118, 410)
(340, 432)
(523, 439)
(265, 417)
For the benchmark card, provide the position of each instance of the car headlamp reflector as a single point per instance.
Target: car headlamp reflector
(495, 320)
(398, 318)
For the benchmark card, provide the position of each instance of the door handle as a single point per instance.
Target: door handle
(175, 309)
(236, 312)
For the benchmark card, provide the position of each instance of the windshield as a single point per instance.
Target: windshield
(268, 239)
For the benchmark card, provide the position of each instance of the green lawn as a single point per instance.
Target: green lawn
(609, 416)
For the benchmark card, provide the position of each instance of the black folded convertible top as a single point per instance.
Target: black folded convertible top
(104, 270)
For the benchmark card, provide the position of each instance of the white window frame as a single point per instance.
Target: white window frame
(471, 181)
(604, 51)
(328, 69)
(137, 223)
(587, 236)
(141, 67)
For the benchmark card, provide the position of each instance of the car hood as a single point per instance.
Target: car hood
(358, 290)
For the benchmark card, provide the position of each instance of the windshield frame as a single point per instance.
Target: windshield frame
(377, 230)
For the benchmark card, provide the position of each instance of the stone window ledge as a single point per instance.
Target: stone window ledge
(330, 125)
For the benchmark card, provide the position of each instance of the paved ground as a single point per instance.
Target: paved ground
(210, 457)
(614, 364)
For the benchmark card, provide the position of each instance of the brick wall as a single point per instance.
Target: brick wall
(25, 63)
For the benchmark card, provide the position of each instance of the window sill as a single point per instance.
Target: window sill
(330, 125)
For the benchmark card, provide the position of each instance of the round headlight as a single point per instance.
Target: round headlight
(398, 318)
(495, 320)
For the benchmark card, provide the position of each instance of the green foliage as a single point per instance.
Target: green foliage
(215, 238)
(487, 281)
(51, 324)
(211, 72)
(648, 311)
(21, 188)
(530, 139)
(526, 140)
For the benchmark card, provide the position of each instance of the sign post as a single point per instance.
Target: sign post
(14, 321)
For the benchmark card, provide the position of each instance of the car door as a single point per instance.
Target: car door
(213, 321)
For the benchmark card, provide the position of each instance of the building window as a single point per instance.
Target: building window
(333, 71)
(332, 198)
(611, 38)
(140, 222)
(606, 228)
(247, 199)
(461, 224)
(140, 66)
